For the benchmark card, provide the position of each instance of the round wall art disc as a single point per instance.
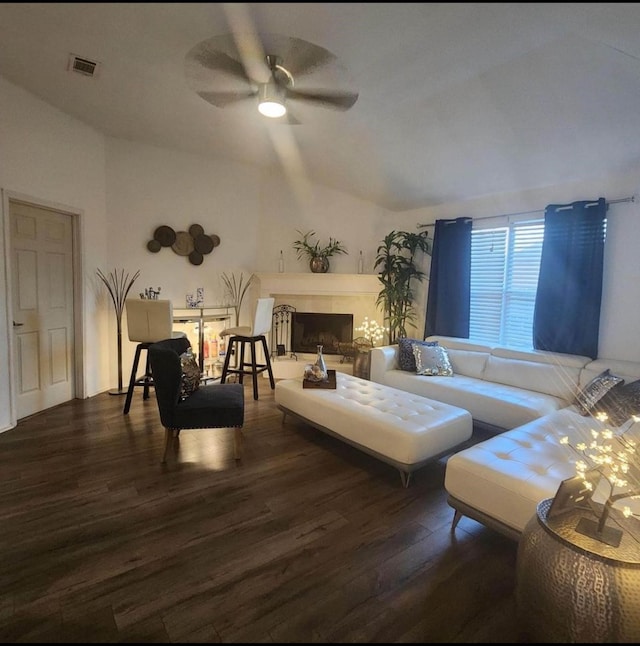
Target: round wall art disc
(195, 230)
(154, 246)
(203, 244)
(195, 258)
(215, 239)
(166, 236)
(183, 245)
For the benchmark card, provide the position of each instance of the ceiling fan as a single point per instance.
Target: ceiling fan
(272, 70)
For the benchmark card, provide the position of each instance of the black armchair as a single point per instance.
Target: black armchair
(210, 406)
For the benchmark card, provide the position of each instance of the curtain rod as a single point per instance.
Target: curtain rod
(632, 198)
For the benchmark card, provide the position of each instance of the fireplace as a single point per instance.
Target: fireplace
(310, 329)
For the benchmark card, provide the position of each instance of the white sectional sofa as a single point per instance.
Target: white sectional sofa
(527, 399)
(501, 387)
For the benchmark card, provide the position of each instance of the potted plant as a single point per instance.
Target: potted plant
(318, 255)
(396, 262)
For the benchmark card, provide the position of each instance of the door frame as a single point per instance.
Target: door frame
(78, 299)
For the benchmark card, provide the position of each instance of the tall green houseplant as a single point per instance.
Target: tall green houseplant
(396, 262)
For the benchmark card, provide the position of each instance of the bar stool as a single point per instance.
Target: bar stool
(240, 337)
(148, 321)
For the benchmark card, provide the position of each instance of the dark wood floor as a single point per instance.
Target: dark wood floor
(306, 540)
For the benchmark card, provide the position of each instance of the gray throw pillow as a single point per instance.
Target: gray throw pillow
(406, 358)
(190, 375)
(595, 390)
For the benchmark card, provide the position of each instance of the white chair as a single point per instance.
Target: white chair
(240, 336)
(148, 321)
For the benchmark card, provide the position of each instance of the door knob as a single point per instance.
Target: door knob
(17, 324)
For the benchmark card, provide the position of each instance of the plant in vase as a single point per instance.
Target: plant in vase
(318, 255)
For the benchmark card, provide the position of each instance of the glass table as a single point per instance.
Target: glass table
(203, 325)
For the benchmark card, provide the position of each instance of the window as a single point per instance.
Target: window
(505, 262)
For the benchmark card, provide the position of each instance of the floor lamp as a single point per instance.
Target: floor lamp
(118, 284)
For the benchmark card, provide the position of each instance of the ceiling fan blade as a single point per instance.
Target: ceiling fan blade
(202, 55)
(303, 58)
(327, 99)
(222, 99)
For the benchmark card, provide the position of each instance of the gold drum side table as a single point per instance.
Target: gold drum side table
(572, 588)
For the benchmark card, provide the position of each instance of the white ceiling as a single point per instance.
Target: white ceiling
(456, 100)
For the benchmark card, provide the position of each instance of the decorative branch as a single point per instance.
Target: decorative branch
(118, 285)
(236, 291)
(615, 456)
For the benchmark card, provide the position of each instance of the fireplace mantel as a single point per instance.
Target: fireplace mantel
(328, 284)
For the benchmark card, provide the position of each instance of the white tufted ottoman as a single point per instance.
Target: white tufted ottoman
(400, 428)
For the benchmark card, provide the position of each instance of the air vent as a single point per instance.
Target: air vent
(83, 65)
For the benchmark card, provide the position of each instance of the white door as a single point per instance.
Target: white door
(42, 288)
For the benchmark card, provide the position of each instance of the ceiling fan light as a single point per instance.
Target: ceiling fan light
(271, 100)
(273, 109)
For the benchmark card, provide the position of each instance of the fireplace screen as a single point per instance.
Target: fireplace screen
(310, 330)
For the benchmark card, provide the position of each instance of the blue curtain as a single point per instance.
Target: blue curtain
(449, 295)
(566, 317)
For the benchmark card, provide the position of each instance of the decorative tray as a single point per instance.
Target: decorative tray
(330, 383)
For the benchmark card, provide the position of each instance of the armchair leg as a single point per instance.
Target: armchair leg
(169, 434)
(237, 443)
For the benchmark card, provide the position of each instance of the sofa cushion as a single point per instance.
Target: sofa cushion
(551, 378)
(542, 356)
(432, 360)
(466, 358)
(406, 357)
(467, 362)
(495, 405)
(595, 390)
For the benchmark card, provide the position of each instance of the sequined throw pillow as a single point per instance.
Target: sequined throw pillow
(620, 403)
(595, 390)
(406, 358)
(190, 375)
(432, 360)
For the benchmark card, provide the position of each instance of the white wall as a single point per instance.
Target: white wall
(56, 160)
